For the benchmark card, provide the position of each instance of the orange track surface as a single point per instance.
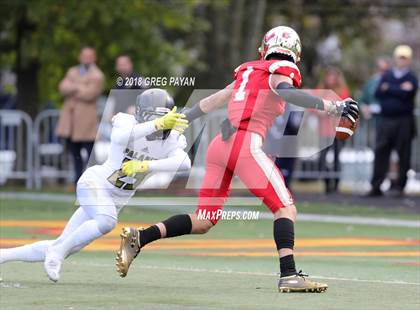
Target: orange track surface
(226, 247)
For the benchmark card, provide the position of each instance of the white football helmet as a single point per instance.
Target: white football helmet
(281, 40)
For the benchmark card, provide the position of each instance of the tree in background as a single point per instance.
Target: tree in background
(235, 28)
(206, 39)
(40, 39)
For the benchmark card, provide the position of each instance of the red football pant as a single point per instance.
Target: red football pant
(241, 155)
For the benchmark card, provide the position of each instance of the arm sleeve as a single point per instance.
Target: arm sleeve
(124, 128)
(298, 97)
(176, 160)
(143, 129)
(193, 112)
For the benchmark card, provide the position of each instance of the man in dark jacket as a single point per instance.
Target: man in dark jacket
(125, 69)
(129, 85)
(396, 127)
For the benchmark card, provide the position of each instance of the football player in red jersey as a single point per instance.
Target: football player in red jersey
(255, 98)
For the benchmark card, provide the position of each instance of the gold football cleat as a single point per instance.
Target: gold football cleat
(299, 283)
(129, 249)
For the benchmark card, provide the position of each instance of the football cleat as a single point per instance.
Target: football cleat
(52, 265)
(299, 283)
(129, 249)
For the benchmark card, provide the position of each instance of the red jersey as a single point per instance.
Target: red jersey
(253, 105)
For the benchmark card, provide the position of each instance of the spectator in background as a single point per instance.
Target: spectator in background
(125, 69)
(396, 126)
(369, 103)
(120, 101)
(333, 80)
(80, 88)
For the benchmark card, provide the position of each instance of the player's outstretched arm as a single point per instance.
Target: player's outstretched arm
(178, 160)
(209, 103)
(283, 86)
(124, 127)
(171, 120)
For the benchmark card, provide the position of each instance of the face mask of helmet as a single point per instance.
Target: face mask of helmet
(152, 104)
(150, 115)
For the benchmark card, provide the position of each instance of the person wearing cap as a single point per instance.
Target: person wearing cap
(396, 127)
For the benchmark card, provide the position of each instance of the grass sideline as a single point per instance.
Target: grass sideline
(165, 278)
(303, 207)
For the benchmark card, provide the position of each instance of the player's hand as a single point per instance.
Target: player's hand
(172, 120)
(180, 125)
(132, 167)
(347, 107)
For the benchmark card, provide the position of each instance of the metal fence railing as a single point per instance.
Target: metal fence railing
(51, 159)
(16, 153)
(32, 152)
(356, 155)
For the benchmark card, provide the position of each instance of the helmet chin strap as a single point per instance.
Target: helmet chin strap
(260, 52)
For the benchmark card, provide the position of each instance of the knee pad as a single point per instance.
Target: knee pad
(105, 223)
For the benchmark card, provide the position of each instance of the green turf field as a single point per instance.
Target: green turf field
(385, 275)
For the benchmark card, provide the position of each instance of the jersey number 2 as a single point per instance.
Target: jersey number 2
(118, 178)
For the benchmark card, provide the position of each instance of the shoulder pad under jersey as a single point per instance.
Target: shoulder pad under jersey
(123, 120)
(286, 68)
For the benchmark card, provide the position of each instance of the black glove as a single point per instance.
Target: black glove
(348, 108)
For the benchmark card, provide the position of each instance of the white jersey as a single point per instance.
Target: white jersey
(128, 141)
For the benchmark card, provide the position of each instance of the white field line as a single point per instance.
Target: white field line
(187, 204)
(218, 271)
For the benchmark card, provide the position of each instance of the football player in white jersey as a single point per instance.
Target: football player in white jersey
(104, 189)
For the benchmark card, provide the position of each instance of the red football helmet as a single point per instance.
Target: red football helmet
(281, 40)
